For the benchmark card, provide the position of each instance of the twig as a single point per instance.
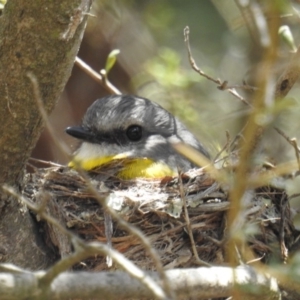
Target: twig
(97, 76)
(222, 85)
(291, 141)
(200, 160)
(266, 177)
(192, 283)
(245, 87)
(247, 16)
(294, 196)
(296, 148)
(38, 98)
(45, 162)
(258, 259)
(226, 146)
(252, 135)
(284, 204)
(188, 223)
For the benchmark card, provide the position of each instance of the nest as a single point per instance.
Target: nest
(156, 207)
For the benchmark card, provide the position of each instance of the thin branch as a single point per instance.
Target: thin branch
(252, 135)
(284, 203)
(291, 141)
(45, 162)
(247, 16)
(195, 283)
(38, 98)
(222, 85)
(188, 224)
(97, 77)
(225, 147)
(266, 178)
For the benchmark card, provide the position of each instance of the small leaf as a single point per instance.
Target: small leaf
(2, 4)
(287, 36)
(111, 60)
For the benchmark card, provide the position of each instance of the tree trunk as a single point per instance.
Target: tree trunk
(40, 38)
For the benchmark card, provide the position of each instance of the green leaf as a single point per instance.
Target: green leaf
(287, 36)
(2, 4)
(111, 60)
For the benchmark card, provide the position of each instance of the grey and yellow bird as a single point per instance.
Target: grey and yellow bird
(134, 131)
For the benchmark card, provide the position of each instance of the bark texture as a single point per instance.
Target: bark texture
(42, 38)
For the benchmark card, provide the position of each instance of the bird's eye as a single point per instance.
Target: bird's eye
(134, 133)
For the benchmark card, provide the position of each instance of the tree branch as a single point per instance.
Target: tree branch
(187, 283)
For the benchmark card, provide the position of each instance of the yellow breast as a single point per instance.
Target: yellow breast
(129, 168)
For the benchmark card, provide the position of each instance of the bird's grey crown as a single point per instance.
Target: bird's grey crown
(121, 111)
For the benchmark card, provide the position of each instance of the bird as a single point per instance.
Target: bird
(134, 133)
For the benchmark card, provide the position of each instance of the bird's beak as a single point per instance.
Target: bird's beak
(80, 133)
